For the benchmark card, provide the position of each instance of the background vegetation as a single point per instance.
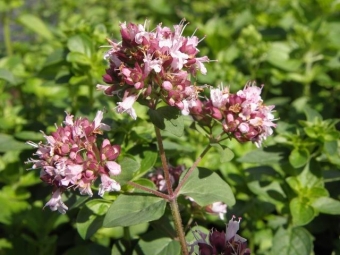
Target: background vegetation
(287, 193)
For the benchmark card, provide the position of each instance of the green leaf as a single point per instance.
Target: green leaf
(8, 143)
(261, 157)
(7, 76)
(36, 25)
(146, 183)
(330, 147)
(302, 213)
(130, 210)
(29, 136)
(148, 161)
(327, 205)
(299, 157)
(156, 244)
(292, 241)
(129, 167)
(78, 58)
(308, 179)
(226, 154)
(55, 57)
(80, 43)
(207, 187)
(311, 114)
(90, 217)
(168, 118)
(278, 55)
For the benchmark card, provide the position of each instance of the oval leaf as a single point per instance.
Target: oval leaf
(7, 76)
(225, 153)
(298, 157)
(207, 187)
(169, 119)
(302, 213)
(129, 167)
(81, 44)
(293, 241)
(130, 210)
(36, 25)
(327, 205)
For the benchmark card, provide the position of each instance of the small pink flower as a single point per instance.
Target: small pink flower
(114, 168)
(126, 106)
(98, 124)
(219, 208)
(55, 202)
(107, 185)
(72, 174)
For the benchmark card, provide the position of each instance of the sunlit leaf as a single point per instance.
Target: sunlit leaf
(130, 210)
(206, 187)
(35, 24)
(299, 157)
(327, 205)
(302, 213)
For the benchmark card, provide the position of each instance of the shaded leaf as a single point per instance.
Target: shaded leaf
(90, 217)
(169, 119)
(292, 241)
(226, 154)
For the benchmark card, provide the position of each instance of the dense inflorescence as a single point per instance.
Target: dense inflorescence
(70, 158)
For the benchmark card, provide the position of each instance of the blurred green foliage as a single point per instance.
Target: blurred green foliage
(287, 193)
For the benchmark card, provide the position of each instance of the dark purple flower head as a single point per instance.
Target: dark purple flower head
(218, 243)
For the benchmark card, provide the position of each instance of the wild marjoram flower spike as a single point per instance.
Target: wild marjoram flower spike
(153, 65)
(70, 158)
(243, 115)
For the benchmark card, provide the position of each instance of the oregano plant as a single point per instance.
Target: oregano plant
(156, 68)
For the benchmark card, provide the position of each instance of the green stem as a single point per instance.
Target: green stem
(7, 34)
(190, 171)
(178, 225)
(152, 191)
(164, 162)
(172, 199)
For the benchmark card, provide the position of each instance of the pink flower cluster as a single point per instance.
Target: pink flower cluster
(243, 115)
(228, 243)
(70, 158)
(153, 65)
